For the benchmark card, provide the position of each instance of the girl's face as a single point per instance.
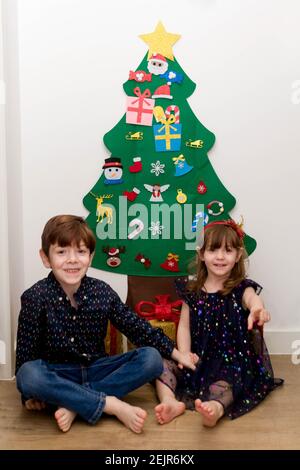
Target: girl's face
(220, 261)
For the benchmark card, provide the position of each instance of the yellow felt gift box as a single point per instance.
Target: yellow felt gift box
(168, 327)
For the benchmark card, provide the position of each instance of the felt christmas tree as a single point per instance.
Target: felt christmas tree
(144, 208)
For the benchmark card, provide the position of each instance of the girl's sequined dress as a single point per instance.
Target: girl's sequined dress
(234, 366)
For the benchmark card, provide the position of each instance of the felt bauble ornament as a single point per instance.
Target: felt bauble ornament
(201, 188)
(181, 196)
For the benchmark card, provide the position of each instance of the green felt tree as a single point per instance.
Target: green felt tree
(144, 208)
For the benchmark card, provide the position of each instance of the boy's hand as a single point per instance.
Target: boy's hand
(188, 360)
(259, 315)
(33, 404)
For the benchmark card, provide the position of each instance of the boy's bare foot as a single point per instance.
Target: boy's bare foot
(132, 416)
(168, 410)
(64, 418)
(34, 405)
(211, 411)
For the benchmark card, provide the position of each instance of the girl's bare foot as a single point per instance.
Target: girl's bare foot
(132, 416)
(168, 410)
(211, 411)
(34, 405)
(64, 418)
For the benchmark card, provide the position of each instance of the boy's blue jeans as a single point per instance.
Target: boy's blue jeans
(83, 389)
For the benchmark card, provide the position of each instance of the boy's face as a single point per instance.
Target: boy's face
(68, 263)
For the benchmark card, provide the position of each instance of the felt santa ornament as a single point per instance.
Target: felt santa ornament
(157, 64)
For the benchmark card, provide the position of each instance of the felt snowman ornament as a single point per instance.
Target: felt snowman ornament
(157, 64)
(113, 171)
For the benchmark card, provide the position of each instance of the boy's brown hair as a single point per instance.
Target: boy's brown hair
(65, 230)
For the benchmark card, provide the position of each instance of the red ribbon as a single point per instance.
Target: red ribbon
(162, 310)
(141, 100)
(229, 223)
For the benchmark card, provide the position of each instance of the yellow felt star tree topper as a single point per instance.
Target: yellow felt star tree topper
(160, 41)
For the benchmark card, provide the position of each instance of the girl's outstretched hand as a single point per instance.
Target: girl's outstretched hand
(259, 315)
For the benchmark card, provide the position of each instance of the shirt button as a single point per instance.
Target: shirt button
(60, 299)
(74, 317)
(72, 340)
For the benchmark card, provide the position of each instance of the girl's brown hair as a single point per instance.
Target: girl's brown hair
(214, 236)
(65, 230)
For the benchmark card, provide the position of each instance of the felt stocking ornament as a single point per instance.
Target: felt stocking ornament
(137, 165)
(131, 195)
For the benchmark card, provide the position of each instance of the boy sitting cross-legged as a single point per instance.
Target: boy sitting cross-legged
(61, 359)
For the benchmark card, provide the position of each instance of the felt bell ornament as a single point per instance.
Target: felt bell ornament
(171, 263)
(181, 165)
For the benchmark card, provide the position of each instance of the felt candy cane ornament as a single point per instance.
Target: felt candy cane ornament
(139, 226)
(174, 109)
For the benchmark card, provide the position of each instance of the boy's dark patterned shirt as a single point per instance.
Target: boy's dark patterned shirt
(50, 328)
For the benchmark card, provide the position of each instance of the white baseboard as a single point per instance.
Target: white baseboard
(283, 342)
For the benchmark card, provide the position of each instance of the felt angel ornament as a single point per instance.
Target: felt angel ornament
(156, 191)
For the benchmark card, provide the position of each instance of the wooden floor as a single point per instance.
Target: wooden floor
(274, 424)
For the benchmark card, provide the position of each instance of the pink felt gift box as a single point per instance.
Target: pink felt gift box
(140, 108)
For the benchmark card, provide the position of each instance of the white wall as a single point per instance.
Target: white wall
(5, 319)
(74, 56)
